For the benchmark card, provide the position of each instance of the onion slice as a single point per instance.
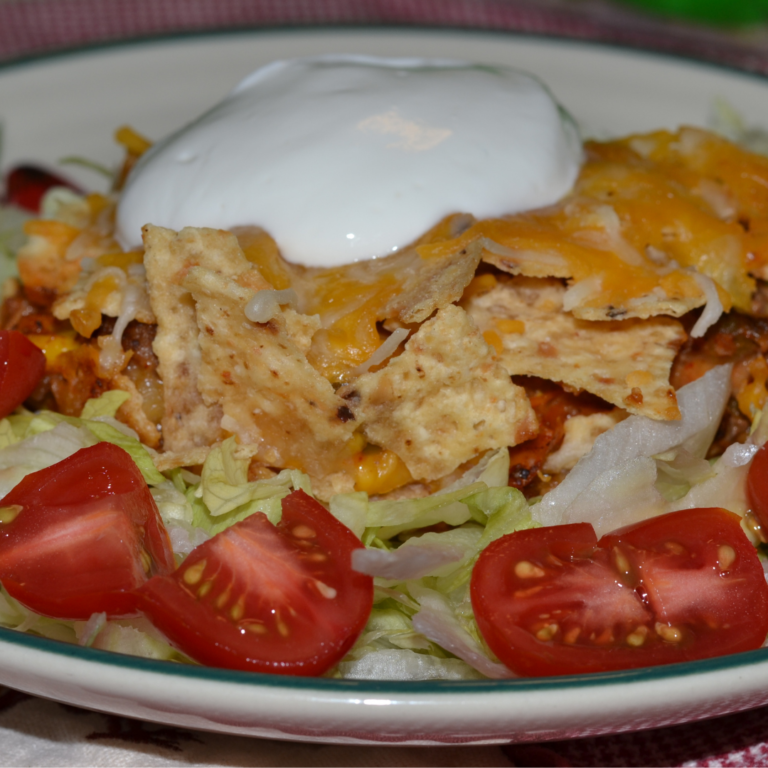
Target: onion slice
(712, 309)
(388, 347)
(701, 402)
(265, 304)
(405, 563)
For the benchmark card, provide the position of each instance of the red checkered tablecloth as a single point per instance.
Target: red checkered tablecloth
(41, 733)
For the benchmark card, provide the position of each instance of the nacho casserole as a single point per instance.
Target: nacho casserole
(500, 347)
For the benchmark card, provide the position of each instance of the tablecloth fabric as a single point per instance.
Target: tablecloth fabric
(36, 732)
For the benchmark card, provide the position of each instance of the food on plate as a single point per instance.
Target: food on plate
(383, 140)
(26, 185)
(677, 587)
(79, 537)
(447, 342)
(22, 367)
(267, 598)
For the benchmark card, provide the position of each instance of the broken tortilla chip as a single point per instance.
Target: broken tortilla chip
(260, 378)
(443, 401)
(131, 412)
(646, 213)
(625, 362)
(188, 421)
(432, 284)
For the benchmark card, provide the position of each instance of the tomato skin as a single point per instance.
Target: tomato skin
(679, 587)
(22, 365)
(85, 533)
(25, 186)
(278, 599)
(757, 487)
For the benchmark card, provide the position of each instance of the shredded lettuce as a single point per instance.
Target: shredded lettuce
(107, 405)
(64, 435)
(224, 495)
(422, 625)
(423, 588)
(614, 484)
(402, 664)
(387, 518)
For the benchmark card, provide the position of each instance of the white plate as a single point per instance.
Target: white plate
(70, 105)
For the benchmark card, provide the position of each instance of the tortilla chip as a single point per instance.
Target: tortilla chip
(432, 284)
(188, 422)
(269, 394)
(301, 328)
(645, 212)
(132, 413)
(625, 362)
(609, 278)
(443, 401)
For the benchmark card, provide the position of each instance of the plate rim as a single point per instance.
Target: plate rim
(165, 38)
(329, 686)
(516, 685)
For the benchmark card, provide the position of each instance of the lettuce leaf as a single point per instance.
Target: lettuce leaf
(102, 428)
(224, 496)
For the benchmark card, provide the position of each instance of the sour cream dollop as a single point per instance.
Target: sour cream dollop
(345, 158)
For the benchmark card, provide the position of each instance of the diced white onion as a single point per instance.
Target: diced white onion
(701, 402)
(404, 563)
(91, 628)
(436, 621)
(541, 257)
(265, 304)
(579, 291)
(738, 454)
(185, 538)
(712, 309)
(404, 664)
(391, 343)
(111, 353)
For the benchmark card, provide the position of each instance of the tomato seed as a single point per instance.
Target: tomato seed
(725, 556)
(205, 589)
(238, 609)
(605, 638)
(521, 593)
(621, 562)
(303, 532)
(674, 548)
(547, 633)
(637, 638)
(282, 628)
(325, 590)
(9, 514)
(572, 635)
(524, 569)
(194, 573)
(223, 598)
(668, 633)
(257, 629)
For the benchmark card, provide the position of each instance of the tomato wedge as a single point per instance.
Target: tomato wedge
(281, 599)
(22, 365)
(757, 487)
(679, 587)
(25, 186)
(79, 537)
